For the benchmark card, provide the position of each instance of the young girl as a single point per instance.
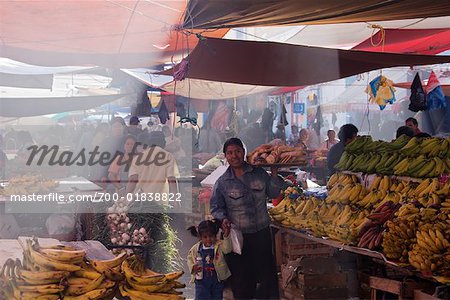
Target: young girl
(207, 262)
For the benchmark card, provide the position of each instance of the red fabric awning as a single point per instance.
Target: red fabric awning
(407, 85)
(414, 41)
(119, 33)
(287, 89)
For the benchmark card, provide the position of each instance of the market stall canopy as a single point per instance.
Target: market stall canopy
(349, 35)
(194, 88)
(17, 74)
(276, 64)
(109, 33)
(414, 41)
(213, 90)
(245, 13)
(25, 107)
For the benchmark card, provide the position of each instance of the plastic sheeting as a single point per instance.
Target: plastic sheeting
(25, 107)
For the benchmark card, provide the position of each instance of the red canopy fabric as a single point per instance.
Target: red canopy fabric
(276, 64)
(248, 13)
(118, 33)
(414, 41)
(407, 85)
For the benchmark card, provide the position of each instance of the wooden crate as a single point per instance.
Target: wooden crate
(293, 247)
(403, 289)
(422, 295)
(332, 285)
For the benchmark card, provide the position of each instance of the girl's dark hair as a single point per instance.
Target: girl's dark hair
(232, 141)
(210, 227)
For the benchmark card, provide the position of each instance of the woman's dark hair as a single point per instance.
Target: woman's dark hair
(347, 132)
(404, 130)
(232, 141)
(209, 227)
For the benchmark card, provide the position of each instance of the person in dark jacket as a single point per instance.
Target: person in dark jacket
(347, 133)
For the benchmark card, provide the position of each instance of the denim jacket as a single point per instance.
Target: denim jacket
(244, 200)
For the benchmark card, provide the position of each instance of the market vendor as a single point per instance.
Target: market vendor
(239, 198)
(330, 141)
(155, 170)
(413, 124)
(347, 133)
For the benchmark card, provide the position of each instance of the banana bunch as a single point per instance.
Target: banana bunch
(142, 283)
(16, 287)
(302, 214)
(55, 258)
(84, 279)
(359, 144)
(346, 225)
(421, 166)
(97, 279)
(398, 143)
(431, 147)
(346, 194)
(428, 254)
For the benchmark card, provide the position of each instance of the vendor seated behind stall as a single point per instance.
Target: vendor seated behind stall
(118, 172)
(347, 133)
(330, 141)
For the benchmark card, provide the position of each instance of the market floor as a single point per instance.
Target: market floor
(184, 244)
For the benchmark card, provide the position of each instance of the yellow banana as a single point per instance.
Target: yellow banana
(89, 274)
(139, 295)
(103, 265)
(91, 295)
(135, 277)
(37, 278)
(75, 290)
(46, 262)
(69, 256)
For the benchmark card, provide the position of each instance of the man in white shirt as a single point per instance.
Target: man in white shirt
(330, 142)
(154, 169)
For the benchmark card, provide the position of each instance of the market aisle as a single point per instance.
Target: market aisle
(184, 244)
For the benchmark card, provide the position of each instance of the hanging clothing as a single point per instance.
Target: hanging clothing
(418, 96)
(163, 113)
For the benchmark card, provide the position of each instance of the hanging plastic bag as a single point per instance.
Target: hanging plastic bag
(381, 91)
(435, 95)
(237, 240)
(418, 97)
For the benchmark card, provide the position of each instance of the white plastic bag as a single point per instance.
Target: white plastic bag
(237, 240)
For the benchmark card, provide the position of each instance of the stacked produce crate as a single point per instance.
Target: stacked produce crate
(313, 278)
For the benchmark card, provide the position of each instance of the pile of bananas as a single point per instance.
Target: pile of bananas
(62, 272)
(401, 233)
(17, 283)
(415, 157)
(142, 283)
(431, 253)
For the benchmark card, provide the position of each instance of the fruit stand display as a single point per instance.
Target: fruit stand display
(65, 271)
(390, 197)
